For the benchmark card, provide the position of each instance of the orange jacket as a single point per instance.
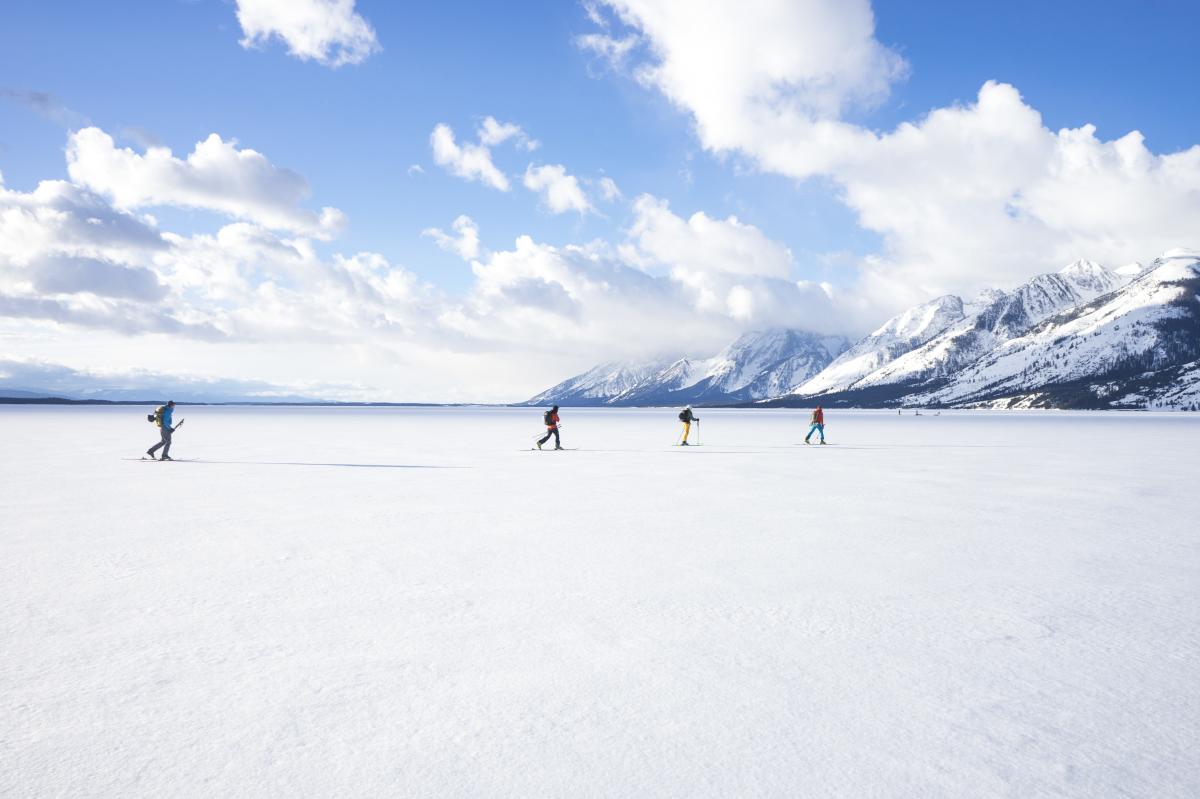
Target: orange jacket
(818, 416)
(553, 421)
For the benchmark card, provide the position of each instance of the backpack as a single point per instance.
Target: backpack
(683, 416)
(156, 417)
(547, 418)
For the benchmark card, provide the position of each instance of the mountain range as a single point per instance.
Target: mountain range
(758, 365)
(1082, 337)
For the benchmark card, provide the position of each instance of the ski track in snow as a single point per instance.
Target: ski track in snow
(971, 604)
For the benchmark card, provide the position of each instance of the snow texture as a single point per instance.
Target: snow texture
(408, 602)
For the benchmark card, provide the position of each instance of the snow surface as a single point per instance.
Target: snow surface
(405, 602)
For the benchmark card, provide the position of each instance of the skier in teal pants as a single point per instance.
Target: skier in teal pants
(818, 425)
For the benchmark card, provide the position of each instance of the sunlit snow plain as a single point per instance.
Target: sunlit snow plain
(410, 602)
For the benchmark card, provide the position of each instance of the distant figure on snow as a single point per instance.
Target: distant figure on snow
(687, 417)
(550, 419)
(162, 419)
(818, 425)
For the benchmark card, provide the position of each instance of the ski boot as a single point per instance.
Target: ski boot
(539, 444)
(150, 455)
(685, 444)
(166, 458)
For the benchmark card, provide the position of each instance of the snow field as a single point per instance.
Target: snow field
(408, 602)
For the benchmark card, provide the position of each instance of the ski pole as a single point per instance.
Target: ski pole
(539, 435)
(697, 432)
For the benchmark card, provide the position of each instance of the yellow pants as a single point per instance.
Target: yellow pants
(687, 428)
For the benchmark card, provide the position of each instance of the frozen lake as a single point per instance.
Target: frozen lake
(408, 602)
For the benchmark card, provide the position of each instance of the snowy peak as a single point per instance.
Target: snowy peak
(898, 336)
(1008, 316)
(598, 384)
(758, 364)
(1128, 344)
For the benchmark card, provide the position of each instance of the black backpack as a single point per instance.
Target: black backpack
(546, 418)
(683, 416)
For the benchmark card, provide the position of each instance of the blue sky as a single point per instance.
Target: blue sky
(174, 72)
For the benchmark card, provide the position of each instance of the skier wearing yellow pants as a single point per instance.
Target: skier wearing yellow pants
(687, 417)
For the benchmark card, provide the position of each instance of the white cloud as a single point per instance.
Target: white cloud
(464, 242)
(769, 77)
(329, 32)
(415, 169)
(703, 244)
(215, 176)
(469, 161)
(609, 190)
(968, 196)
(728, 268)
(614, 50)
(493, 132)
(560, 192)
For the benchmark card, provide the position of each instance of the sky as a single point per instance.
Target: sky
(470, 201)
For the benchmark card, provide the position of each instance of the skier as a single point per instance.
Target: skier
(162, 419)
(687, 417)
(550, 419)
(818, 425)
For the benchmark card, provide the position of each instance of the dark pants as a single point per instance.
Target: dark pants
(165, 444)
(553, 431)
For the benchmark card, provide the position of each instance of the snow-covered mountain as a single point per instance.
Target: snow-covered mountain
(1006, 317)
(1084, 336)
(600, 384)
(898, 336)
(757, 365)
(1081, 337)
(1132, 347)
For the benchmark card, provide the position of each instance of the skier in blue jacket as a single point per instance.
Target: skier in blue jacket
(163, 418)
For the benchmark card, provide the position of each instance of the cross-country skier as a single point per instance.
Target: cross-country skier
(687, 417)
(162, 418)
(550, 419)
(818, 425)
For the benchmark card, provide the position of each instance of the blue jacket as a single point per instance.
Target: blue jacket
(167, 412)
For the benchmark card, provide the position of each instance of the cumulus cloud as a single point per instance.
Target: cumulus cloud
(703, 244)
(467, 161)
(560, 191)
(464, 242)
(329, 32)
(493, 132)
(60, 218)
(215, 176)
(771, 77)
(59, 274)
(967, 196)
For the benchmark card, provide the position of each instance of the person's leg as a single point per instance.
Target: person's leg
(687, 429)
(545, 438)
(166, 442)
(557, 440)
(156, 447)
(821, 430)
(810, 432)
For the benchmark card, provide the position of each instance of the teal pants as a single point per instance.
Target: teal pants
(816, 428)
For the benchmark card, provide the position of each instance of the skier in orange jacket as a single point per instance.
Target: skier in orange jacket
(550, 419)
